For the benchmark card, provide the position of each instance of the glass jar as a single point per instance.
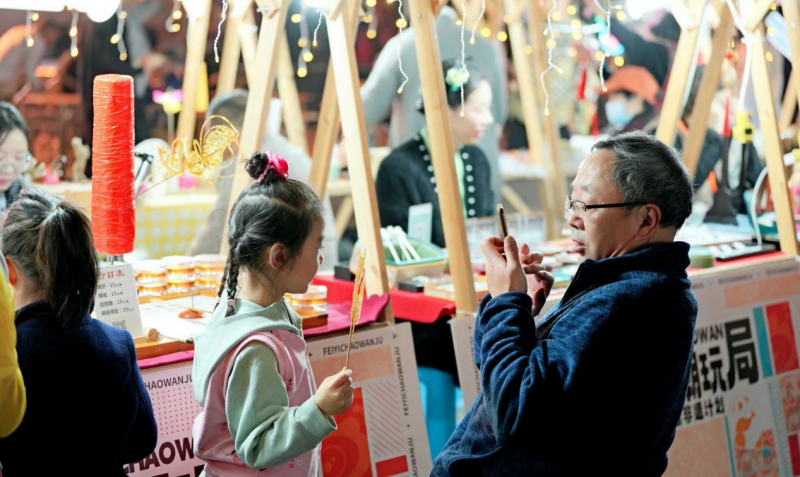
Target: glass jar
(316, 295)
(152, 290)
(179, 285)
(150, 273)
(179, 267)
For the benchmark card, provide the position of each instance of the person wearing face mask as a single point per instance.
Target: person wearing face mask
(629, 100)
(15, 158)
(613, 358)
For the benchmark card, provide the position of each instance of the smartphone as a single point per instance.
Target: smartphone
(501, 217)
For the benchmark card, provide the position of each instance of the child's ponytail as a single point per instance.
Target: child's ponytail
(50, 242)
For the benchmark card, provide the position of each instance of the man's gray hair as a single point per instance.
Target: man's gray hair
(648, 171)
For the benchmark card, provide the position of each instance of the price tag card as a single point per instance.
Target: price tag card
(117, 303)
(420, 222)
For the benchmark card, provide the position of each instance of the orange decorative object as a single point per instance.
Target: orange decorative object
(113, 214)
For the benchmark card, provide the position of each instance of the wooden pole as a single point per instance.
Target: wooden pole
(433, 96)
(231, 50)
(789, 103)
(290, 100)
(328, 122)
(249, 41)
(341, 38)
(195, 51)
(679, 77)
(698, 124)
(791, 13)
(772, 143)
(555, 184)
(273, 20)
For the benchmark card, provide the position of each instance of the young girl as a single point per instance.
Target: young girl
(262, 412)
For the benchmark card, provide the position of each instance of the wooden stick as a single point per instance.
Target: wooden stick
(772, 145)
(341, 39)
(231, 51)
(791, 12)
(195, 51)
(698, 125)
(441, 149)
(789, 102)
(328, 123)
(554, 186)
(290, 100)
(273, 20)
(682, 67)
(249, 41)
(759, 11)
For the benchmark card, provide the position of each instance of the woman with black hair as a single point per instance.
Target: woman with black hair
(406, 177)
(15, 158)
(84, 389)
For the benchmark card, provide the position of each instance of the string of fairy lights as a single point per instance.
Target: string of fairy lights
(118, 38)
(176, 14)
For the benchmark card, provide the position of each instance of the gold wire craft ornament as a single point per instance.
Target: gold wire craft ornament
(358, 301)
(199, 156)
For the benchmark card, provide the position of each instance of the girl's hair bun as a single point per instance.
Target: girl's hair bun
(257, 164)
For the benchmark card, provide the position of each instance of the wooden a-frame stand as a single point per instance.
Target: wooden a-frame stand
(241, 37)
(753, 14)
(341, 33)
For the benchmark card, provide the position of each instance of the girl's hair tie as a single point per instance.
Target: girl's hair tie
(275, 161)
(230, 302)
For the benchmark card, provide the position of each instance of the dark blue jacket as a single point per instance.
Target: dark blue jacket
(88, 410)
(596, 388)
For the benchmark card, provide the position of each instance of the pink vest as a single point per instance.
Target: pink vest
(212, 440)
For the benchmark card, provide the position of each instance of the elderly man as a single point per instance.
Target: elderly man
(598, 384)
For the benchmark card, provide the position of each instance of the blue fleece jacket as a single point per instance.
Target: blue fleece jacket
(596, 387)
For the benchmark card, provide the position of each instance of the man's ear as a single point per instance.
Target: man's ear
(649, 217)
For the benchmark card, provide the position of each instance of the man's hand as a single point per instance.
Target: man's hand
(540, 282)
(503, 274)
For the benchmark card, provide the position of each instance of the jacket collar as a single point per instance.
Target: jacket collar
(669, 259)
(40, 315)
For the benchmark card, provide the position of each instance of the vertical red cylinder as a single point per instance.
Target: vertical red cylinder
(113, 199)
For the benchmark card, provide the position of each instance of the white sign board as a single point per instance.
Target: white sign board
(175, 408)
(116, 301)
(384, 433)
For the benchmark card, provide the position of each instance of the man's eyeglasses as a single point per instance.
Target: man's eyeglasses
(17, 164)
(579, 208)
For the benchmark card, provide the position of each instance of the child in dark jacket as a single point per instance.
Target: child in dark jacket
(88, 408)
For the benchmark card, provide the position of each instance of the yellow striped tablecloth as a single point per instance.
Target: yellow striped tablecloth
(167, 225)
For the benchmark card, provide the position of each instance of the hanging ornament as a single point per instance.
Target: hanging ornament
(551, 45)
(219, 28)
(399, 59)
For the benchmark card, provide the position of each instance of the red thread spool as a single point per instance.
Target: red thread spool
(113, 213)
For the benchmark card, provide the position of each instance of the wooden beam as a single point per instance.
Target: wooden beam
(708, 88)
(328, 123)
(758, 11)
(772, 145)
(231, 51)
(789, 103)
(249, 41)
(195, 52)
(341, 37)
(555, 186)
(290, 100)
(433, 97)
(682, 66)
(273, 20)
(791, 13)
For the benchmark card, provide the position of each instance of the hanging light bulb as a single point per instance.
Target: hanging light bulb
(619, 61)
(308, 56)
(177, 15)
(302, 42)
(296, 18)
(502, 36)
(371, 34)
(35, 16)
(28, 35)
(572, 10)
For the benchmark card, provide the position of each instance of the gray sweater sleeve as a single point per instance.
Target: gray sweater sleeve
(379, 90)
